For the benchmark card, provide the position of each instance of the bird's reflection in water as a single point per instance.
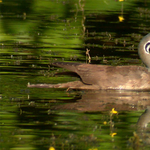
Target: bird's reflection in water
(105, 100)
(143, 130)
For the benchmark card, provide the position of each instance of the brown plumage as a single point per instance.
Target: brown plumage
(108, 77)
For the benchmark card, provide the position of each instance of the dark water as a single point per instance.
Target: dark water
(36, 33)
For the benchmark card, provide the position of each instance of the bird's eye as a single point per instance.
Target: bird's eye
(147, 47)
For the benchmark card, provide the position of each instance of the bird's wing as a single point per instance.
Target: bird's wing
(89, 74)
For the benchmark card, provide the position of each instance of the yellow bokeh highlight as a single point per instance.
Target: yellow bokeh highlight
(113, 111)
(104, 122)
(113, 134)
(51, 148)
(121, 18)
(121, 0)
(0, 1)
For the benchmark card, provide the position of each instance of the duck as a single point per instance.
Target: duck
(144, 118)
(106, 77)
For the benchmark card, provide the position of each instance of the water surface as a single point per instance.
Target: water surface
(36, 33)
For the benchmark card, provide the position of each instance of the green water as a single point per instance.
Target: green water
(36, 33)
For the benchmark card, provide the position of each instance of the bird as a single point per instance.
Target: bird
(106, 77)
(144, 118)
